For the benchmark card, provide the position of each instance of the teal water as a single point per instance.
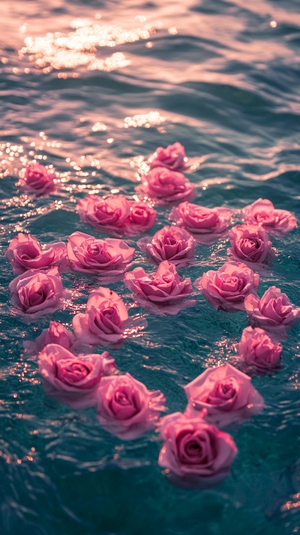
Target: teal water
(93, 88)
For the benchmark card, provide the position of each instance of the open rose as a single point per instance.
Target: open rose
(257, 349)
(37, 179)
(162, 292)
(226, 393)
(106, 215)
(273, 312)
(35, 293)
(71, 379)
(226, 288)
(169, 243)
(263, 213)
(195, 454)
(108, 258)
(126, 408)
(250, 243)
(25, 252)
(55, 334)
(141, 218)
(206, 224)
(166, 186)
(173, 157)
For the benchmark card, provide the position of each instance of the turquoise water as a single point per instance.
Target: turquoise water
(118, 80)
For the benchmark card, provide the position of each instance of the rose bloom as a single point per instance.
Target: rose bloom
(25, 252)
(108, 258)
(141, 218)
(195, 454)
(162, 292)
(71, 379)
(173, 157)
(273, 312)
(37, 179)
(257, 349)
(226, 393)
(166, 186)
(226, 288)
(206, 224)
(108, 215)
(55, 334)
(36, 293)
(126, 408)
(169, 243)
(250, 243)
(263, 213)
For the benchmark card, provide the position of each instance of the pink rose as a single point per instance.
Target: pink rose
(173, 157)
(273, 312)
(226, 288)
(36, 293)
(162, 292)
(141, 218)
(70, 379)
(195, 454)
(25, 252)
(106, 215)
(37, 179)
(263, 213)
(226, 393)
(250, 243)
(126, 408)
(55, 334)
(108, 258)
(166, 186)
(206, 224)
(169, 243)
(257, 349)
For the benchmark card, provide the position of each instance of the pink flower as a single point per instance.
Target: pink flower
(226, 393)
(25, 252)
(166, 186)
(257, 349)
(36, 293)
(126, 408)
(206, 224)
(108, 215)
(195, 454)
(141, 218)
(169, 243)
(173, 157)
(108, 258)
(55, 334)
(263, 213)
(162, 292)
(250, 243)
(226, 288)
(273, 312)
(37, 179)
(70, 379)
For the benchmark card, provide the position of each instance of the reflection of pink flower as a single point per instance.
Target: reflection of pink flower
(70, 379)
(250, 243)
(226, 288)
(226, 393)
(166, 186)
(108, 258)
(25, 252)
(263, 213)
(196, 454)
(37, 179)
(126, 408)
(141, 218)
(206, 224)
(169, 243)
(55, 334)
(257, 349)
(163, 292)
(173, 157)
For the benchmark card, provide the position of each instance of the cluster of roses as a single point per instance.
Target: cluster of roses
(195, 451)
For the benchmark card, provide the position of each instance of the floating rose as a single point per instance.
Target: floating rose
(173, 157)
(226, 288)
(263, 213)
(71, 379)
(126, 408)
(251, 244)
(141, 218)
(106, 215)
(25, 252)
(162, 292)
(37, 179)
(257, 349)
(169, 243)
(166, 186)
(226, 393)
(55, 334)
(195, 454)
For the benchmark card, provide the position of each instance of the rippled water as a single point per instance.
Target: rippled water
(93, 88)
